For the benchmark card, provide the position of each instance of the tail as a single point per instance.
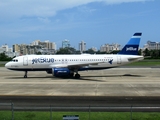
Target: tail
(131, 48)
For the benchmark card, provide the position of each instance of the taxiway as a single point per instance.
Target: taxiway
(111, 82)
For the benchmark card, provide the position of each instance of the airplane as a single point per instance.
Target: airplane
(69, 65)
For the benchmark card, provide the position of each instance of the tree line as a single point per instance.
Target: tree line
(4, 57)
(153, 54)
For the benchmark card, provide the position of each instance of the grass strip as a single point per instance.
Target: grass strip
(7, 115)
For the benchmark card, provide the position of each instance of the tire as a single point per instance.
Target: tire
(77, 76)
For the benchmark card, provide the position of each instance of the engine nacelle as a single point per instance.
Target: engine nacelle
(61, 72)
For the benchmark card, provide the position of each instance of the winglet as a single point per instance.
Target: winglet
(131, 48)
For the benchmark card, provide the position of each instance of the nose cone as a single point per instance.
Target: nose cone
(7, 65)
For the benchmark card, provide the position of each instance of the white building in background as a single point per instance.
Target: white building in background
(152, 45)
(47, 47)
(109, 47)
(16, 48)
(5, 48)
(36, 42)
(46, 44)
(35, 47)
(82, 46)
(94, 49)
(12, 54)
(8, 51)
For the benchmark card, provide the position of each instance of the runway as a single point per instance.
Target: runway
(113, 87)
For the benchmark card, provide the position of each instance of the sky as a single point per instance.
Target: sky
(96, 22)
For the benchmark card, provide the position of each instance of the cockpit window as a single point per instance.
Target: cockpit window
(14, 60)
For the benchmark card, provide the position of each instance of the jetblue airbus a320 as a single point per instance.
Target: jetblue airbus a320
(69, 65)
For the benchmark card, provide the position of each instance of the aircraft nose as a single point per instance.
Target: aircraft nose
(7, 65)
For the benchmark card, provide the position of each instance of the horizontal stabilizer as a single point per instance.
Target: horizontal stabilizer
(137, 58)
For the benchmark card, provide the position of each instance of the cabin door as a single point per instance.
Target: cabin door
(25, 61)
(119, 60)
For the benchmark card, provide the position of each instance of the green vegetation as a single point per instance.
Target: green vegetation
(147, 63)
(2, 65)
(67, 50)
(6, 115)
(71, 50)
(4, 57)
(154, 54)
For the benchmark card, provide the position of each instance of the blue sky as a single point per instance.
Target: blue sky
(96, 22)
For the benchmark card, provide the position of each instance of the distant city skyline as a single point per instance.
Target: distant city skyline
(96, 22)
(80, 44)
(48, 48)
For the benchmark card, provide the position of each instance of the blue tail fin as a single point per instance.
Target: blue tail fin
(131, 48)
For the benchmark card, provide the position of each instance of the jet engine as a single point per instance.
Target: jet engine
(62, 72)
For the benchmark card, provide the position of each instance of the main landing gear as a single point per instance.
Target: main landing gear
(25, 74)
(77, 76)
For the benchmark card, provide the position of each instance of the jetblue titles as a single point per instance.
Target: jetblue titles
(42, 60)
(131, 49)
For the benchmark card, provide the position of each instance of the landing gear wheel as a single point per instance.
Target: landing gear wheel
(25, 76)
(77, 76)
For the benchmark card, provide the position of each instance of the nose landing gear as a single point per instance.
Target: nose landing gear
(25, 74)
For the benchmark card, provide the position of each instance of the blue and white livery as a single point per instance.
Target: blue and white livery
(69, 65)
(131, 48)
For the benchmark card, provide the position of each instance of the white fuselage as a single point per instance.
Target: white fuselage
(46, 62)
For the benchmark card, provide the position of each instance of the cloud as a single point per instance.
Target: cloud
(85, 9)
(123, 1)
(44, 9)
(44, 20)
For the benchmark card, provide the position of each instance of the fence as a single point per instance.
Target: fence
(11, 111)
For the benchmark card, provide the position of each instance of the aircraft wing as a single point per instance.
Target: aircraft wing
(74, 65)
